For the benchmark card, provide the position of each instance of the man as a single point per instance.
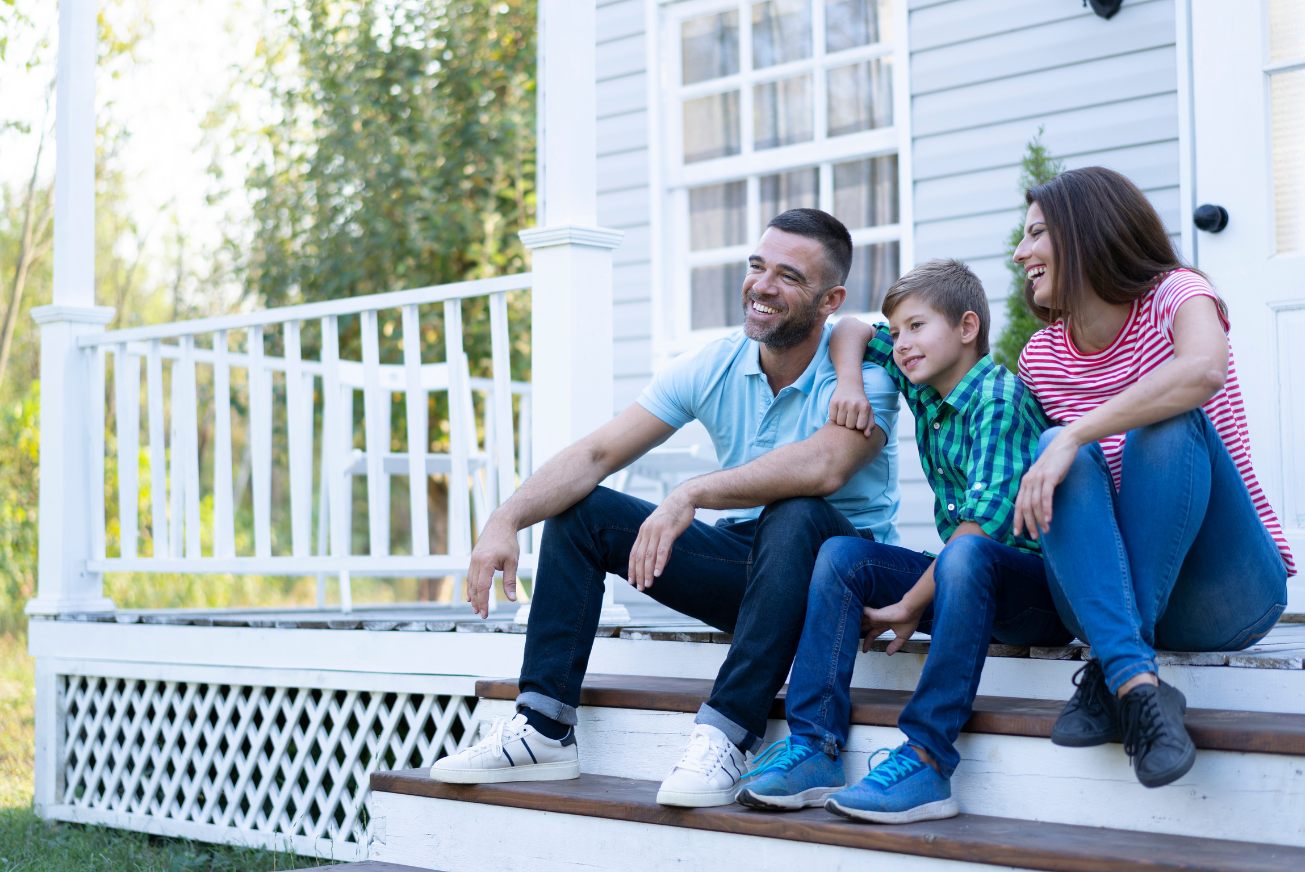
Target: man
(763, 395)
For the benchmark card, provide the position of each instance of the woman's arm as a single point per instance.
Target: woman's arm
(1197, 371)
(848, 407)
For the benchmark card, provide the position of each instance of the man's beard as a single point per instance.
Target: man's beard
(789, 331)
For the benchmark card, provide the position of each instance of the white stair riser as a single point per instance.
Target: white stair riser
(1248, 797)
(469, 837)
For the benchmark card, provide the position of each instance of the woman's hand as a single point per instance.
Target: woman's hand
(849, 408)
(901, 617)
(1038, 486)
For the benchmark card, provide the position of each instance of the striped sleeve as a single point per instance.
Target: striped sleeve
(1181, 286)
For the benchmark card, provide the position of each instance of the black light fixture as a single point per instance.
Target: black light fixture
(1104, 8)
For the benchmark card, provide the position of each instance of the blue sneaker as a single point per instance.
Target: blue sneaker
(790, 775)
(900, 790)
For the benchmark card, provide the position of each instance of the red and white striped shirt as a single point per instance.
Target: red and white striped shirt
(1069, 384)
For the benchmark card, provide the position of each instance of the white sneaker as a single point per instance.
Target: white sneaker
(708, 773)
(512, 750)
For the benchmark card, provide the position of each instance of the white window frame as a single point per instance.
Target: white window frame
(675, 178)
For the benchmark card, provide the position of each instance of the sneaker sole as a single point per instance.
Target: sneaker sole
(696, 800)
(811, 798)
(1078, 740)
(561, 771)
(1173, 774)
(930, 811)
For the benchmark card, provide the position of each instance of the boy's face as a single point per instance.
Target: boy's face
(927, 348)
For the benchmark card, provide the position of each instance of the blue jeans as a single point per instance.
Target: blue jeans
(749, 578)
(1176, 559)
(985, 591)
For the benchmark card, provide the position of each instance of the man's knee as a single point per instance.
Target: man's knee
(600, 505)
(795, 516)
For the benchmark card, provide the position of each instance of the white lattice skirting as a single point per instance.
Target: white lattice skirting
(281, 767)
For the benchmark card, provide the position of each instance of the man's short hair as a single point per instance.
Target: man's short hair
(949, 287)
(828, 231)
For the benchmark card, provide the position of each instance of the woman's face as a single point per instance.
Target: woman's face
(1035, 255)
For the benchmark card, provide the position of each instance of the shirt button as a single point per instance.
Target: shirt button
(940, 472)
(951, 507)
(936, 425)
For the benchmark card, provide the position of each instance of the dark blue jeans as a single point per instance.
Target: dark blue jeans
(1176, 559)
(749, 578)
(985, 592)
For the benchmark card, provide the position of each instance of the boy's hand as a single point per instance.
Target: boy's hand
(849, 408)
(900, 617)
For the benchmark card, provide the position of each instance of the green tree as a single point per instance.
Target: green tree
(1037, 166)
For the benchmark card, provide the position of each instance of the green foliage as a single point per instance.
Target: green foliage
(1037, 166)
(19, 444)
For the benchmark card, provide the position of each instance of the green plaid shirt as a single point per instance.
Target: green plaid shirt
(974, 445)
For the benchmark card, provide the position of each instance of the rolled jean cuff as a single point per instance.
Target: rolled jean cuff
(736, 734)
(1116, 681)
(548, 707)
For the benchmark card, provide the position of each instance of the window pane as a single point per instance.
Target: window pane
(794, 190)
(865, 192)
(781, 32)
(1286, 30)
(849, 23)
(711, 127)
(860, 97)
(782, 112)
(717, 295)
(709, 47)
(1288, 94)
(718, 215)
(874, 269)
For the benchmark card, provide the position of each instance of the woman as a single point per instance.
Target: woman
(1155, 531)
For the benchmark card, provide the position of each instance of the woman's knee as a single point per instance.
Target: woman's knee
(1046, 438)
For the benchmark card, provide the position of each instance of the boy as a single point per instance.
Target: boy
(977, 429)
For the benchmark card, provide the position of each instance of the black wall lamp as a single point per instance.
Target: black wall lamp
(1104, 8)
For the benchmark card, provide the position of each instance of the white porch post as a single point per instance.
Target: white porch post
(64, 585)
(571, 306)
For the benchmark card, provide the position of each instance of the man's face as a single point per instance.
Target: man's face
(784, 294)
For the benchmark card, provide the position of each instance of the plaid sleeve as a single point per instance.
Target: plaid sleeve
(879, 350)
(1002, 443)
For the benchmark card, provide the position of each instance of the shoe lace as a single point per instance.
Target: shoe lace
(1090, 682)
(496, 736)
(702, 755)
(1142, 722)
(896, 767)
(780, 756)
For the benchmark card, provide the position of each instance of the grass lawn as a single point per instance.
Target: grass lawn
(29, 844)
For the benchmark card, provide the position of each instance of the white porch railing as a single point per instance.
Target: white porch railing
(480, 473)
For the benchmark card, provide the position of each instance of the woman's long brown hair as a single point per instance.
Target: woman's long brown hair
(1107, 239)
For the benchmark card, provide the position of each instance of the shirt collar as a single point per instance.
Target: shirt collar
(968, 387)
(805, 382)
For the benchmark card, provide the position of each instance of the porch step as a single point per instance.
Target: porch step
(606, 822)
(1248, 782)
(375, 866)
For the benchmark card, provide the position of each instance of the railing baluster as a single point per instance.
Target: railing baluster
(418, 443)
(336, 443)
(260, 425)
(498, 338)
(158, 448)
(126, 393)
(98, 400)
(176, 475)
(224, 520)
(376, 431)
(459, 502)
(299, 423)
(190, 444)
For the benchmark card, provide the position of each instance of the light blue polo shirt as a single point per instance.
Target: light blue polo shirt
(722, 386)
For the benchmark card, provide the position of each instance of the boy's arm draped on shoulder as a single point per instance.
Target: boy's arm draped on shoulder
(849, 407)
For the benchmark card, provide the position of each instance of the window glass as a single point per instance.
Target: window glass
(1286, 30)
(850, 23)
(782, 113)
(711, 127)
(717, 295)
(860, 97)
(798, 189)
(710, 47)
(874, 269)
(781, 32)
(865, 192)
(1287, 91)
(718, 215)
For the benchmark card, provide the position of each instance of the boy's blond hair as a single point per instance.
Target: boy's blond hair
(948, 287)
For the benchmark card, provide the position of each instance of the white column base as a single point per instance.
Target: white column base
(69, 605)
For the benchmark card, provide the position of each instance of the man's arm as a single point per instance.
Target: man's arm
(559, 484)
(815, 467)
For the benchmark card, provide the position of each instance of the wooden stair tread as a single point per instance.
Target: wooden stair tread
(376, 866)
(1211, 729)
(975, 838)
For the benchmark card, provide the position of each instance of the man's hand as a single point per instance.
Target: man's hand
(849, 408)
(657, 535)
(495, 550)
(900, 617)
